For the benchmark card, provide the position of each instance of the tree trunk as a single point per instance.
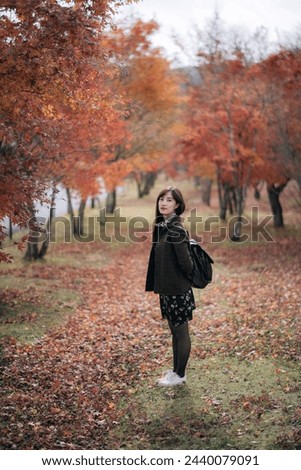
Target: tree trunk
(45, 243)
(81, 211)
(73, 219)
(206, 186)
(239, 202)
(10, 229)
(197, 181)
(139, 188)
(223, 190)
(257, 190)
(274, 193)
(70, 208)
(39, 234)
(145, 183)
(232, 200)
(223, 199)
(151, 178)
(111, 201)
(32, 250)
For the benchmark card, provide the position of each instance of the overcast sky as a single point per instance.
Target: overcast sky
(179, 16)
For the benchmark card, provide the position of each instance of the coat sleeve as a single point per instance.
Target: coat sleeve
(180, 241)
(150, 276)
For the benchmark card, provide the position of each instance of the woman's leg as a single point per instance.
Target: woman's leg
(174, 347)
(181, 347)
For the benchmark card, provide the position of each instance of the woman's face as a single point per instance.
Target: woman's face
(167, 205)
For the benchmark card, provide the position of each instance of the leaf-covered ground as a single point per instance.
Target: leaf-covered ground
(88, 380)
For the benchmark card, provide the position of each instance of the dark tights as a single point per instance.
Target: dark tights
(181, 346)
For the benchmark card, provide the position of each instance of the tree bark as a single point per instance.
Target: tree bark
(45, 243)
(111, 201)
(38, 234)
(256, 193)
(70, 208)
(206, 186)
(145, 183)
(139, 188)
(257, 189)
(197, 181)
(223, 199)
(274, 194)
(73, 220)
(233, 200)
(239, 203)
(230, 201)
(81, 211)
(10, 229)
(32, 250)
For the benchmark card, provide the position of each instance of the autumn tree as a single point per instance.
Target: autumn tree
(281, 77)
(152, 91)
(52, 63)
(223, 122)
(243, 117)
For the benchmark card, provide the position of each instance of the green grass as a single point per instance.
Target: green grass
(226, 404)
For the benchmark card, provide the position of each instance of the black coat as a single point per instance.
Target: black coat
(170, 264)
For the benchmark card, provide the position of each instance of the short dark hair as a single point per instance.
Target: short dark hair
(178, 197)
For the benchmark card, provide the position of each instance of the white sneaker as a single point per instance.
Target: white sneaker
(172, 381)
(167, 375)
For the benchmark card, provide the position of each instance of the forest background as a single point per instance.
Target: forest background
(97, 110)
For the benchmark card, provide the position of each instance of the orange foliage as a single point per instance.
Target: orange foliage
(56, 104)
(246, 120)
(152, 92)
(281, 77)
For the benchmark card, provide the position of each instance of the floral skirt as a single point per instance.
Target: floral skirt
(177, 308)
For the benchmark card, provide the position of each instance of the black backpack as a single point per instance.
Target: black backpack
(202, 265)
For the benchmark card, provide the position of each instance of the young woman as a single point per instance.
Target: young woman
(169, 275)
